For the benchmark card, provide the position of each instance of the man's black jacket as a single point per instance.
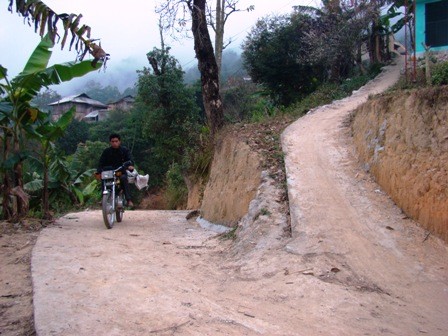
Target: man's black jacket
(114, 158)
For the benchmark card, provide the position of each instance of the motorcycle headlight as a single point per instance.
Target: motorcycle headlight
(107, 174)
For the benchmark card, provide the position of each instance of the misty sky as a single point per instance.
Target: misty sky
(127, 33)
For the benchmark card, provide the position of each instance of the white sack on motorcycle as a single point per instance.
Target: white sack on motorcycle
(141, 181)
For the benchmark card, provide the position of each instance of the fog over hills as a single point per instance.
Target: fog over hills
(124, 75)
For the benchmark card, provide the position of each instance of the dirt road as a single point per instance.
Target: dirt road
(355, 265)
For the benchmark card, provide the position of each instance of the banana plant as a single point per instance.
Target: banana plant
(65, 183)
(46, 133)
(19, 120)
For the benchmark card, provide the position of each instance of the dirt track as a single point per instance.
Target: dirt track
(354, 266)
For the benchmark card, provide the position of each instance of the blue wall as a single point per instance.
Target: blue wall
(420, 26)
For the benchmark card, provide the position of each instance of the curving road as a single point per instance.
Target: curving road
(354, 265)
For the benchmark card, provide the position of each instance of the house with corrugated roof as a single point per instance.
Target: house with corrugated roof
(87, 109)
(124, 104)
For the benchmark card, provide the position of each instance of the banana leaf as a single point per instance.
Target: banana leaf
(37, 75)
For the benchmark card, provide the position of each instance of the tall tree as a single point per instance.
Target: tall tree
(207, 66)
(167, 112)
(377, 30)
(203, 48)
(336, 37)
(275, 54)
(217, 19)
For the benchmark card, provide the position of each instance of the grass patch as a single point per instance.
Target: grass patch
(329, 92)
(229, 235)
(176, 192)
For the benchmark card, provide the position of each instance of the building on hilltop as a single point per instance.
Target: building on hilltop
(87, 108)
(124, 103)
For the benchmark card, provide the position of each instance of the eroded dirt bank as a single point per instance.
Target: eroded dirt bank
(234, 179)
(402, 139)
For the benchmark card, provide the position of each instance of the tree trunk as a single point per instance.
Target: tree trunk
(207, 67)
(22, 200)
(6, 204)
(219, 32)
(45, 193)
(361, 67)
(7, 183)
(22, 197)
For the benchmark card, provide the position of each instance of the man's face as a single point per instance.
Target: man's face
(115, 142)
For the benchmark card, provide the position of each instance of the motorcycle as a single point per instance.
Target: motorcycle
(113, 200)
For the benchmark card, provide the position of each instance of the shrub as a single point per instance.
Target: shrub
(176, 192)
(439, 75)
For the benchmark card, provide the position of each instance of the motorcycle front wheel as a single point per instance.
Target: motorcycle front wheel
(108, 212)
(119, 210)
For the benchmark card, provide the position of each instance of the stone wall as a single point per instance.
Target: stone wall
(402, 138)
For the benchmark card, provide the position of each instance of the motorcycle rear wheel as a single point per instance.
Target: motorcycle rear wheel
(108, 213)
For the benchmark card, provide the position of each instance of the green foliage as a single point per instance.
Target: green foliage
(328, 92)
(353, 83)
(439, 74)
(162, 128)
(167, 111)
(265, 212)
(118, 121)
(263, 108)
(67, 187)
(87, 155)
(272, 56)
(417, 80)
(229, 235)
(292, 55)
(77, 132)
(130, 91)
(395, 10)
(105, 95)
(198, 157)
(176, 191)
(44, 98)
(243, 101)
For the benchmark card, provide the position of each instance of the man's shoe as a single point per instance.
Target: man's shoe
(130, 204)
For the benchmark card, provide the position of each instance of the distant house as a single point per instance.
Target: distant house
(431, 25)
(87, 108)
(124, 104)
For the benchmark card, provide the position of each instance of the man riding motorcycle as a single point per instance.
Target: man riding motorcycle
(114, 157)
